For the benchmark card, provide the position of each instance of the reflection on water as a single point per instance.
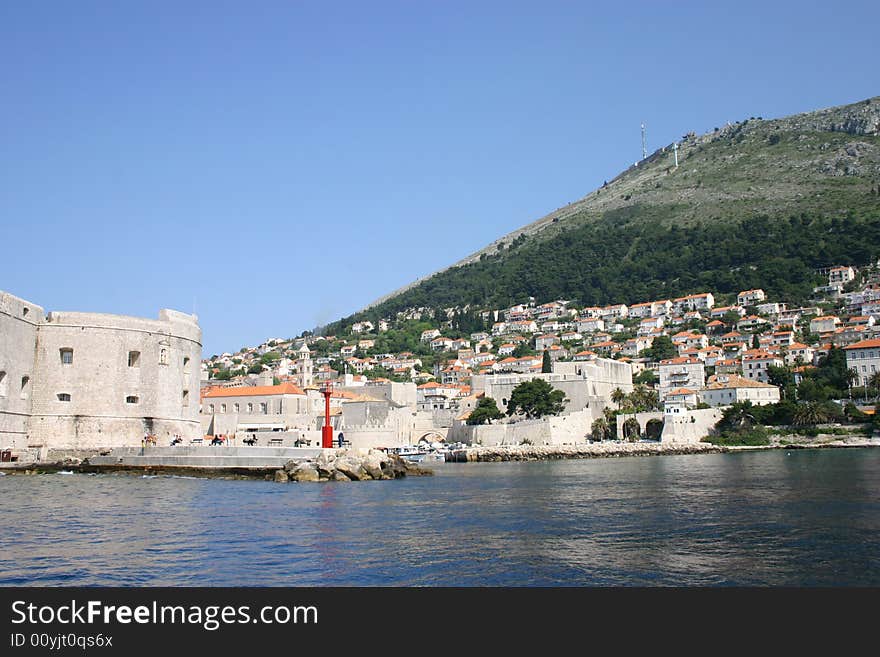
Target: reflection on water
(769, 518)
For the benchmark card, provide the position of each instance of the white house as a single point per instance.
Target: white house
(703, 301)
(727, 389)
(590, 325)
(824, 324)
(864, 359)
(756, 362)
(840, 275)
(429, 335)
(542, 342)
(681, 372)
(750, 297)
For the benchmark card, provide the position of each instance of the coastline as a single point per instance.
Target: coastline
(479, 454)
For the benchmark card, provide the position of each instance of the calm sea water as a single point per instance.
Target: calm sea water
(769, 518)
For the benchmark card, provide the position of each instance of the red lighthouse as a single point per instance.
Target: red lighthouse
(327, 429)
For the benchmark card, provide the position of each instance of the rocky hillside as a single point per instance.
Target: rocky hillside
(817, 167)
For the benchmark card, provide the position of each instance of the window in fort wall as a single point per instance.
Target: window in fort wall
(235, 408)
(186, 399)
(134, 359)
(25, 387)
(186, 365)
(163, 355)
(66, 356)
(4, 384)
(64, 396)
(131, 399)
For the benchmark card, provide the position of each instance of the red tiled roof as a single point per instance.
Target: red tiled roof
(257, 391)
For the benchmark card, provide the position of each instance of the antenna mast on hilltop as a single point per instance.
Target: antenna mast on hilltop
(644, 143)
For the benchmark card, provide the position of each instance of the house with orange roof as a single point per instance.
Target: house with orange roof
(689, 398)
(824, 324)
(542, 342)
(798, 352)
(715, 327)
(728, 389)
(258, 410)
(750, 297)
(640, 310)
(863, 358)
(590, 325)
(847, 335)
(727, 366)
(680, 372)
(506, 349)
(841, 275)
(861, 320)
(703, 301)
(585, 355)
(751, 322)
(755, 364)
(442, 343)
(720, 311)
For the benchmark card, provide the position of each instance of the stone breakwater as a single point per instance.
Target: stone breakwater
(349, 465)
(584, 451)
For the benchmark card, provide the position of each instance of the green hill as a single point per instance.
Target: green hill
(759, 203)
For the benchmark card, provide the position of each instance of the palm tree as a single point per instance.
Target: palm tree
(617, 396)
(600, 429)
(808, 414)
(874, 381)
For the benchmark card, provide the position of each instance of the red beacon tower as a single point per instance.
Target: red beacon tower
(327, 429)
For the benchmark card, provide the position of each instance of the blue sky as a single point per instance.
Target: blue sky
(277, 165)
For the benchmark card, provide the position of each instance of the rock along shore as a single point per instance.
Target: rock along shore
(349, 465)
(583, 451)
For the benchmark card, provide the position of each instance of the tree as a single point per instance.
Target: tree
(485, 411)
(737, 417)
(809, 414)
(646, 376)
(546, 363)
(522, 350)
(631, 429)
(618, 396)
(661, 348)
(535, 399)
(256, 368)
(600, 429)
(730, 318)
(756, 342)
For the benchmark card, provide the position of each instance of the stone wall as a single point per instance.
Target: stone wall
(555, 430)
(85, 389)
(18, 338)
(690, 427)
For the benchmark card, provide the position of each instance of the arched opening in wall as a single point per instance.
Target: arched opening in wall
(63, 396)
(186, 365)
(654, 429)
(4, 384)
(25, 311)
(25, 387)
(235, 408)
(185, 398)
(131, 399)
(163, 355)
(134, 359)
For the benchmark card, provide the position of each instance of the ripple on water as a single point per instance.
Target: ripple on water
(762, 519)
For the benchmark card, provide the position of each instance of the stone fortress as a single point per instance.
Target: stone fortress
(73, 381)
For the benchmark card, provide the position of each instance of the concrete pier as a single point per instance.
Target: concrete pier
(205, 456)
